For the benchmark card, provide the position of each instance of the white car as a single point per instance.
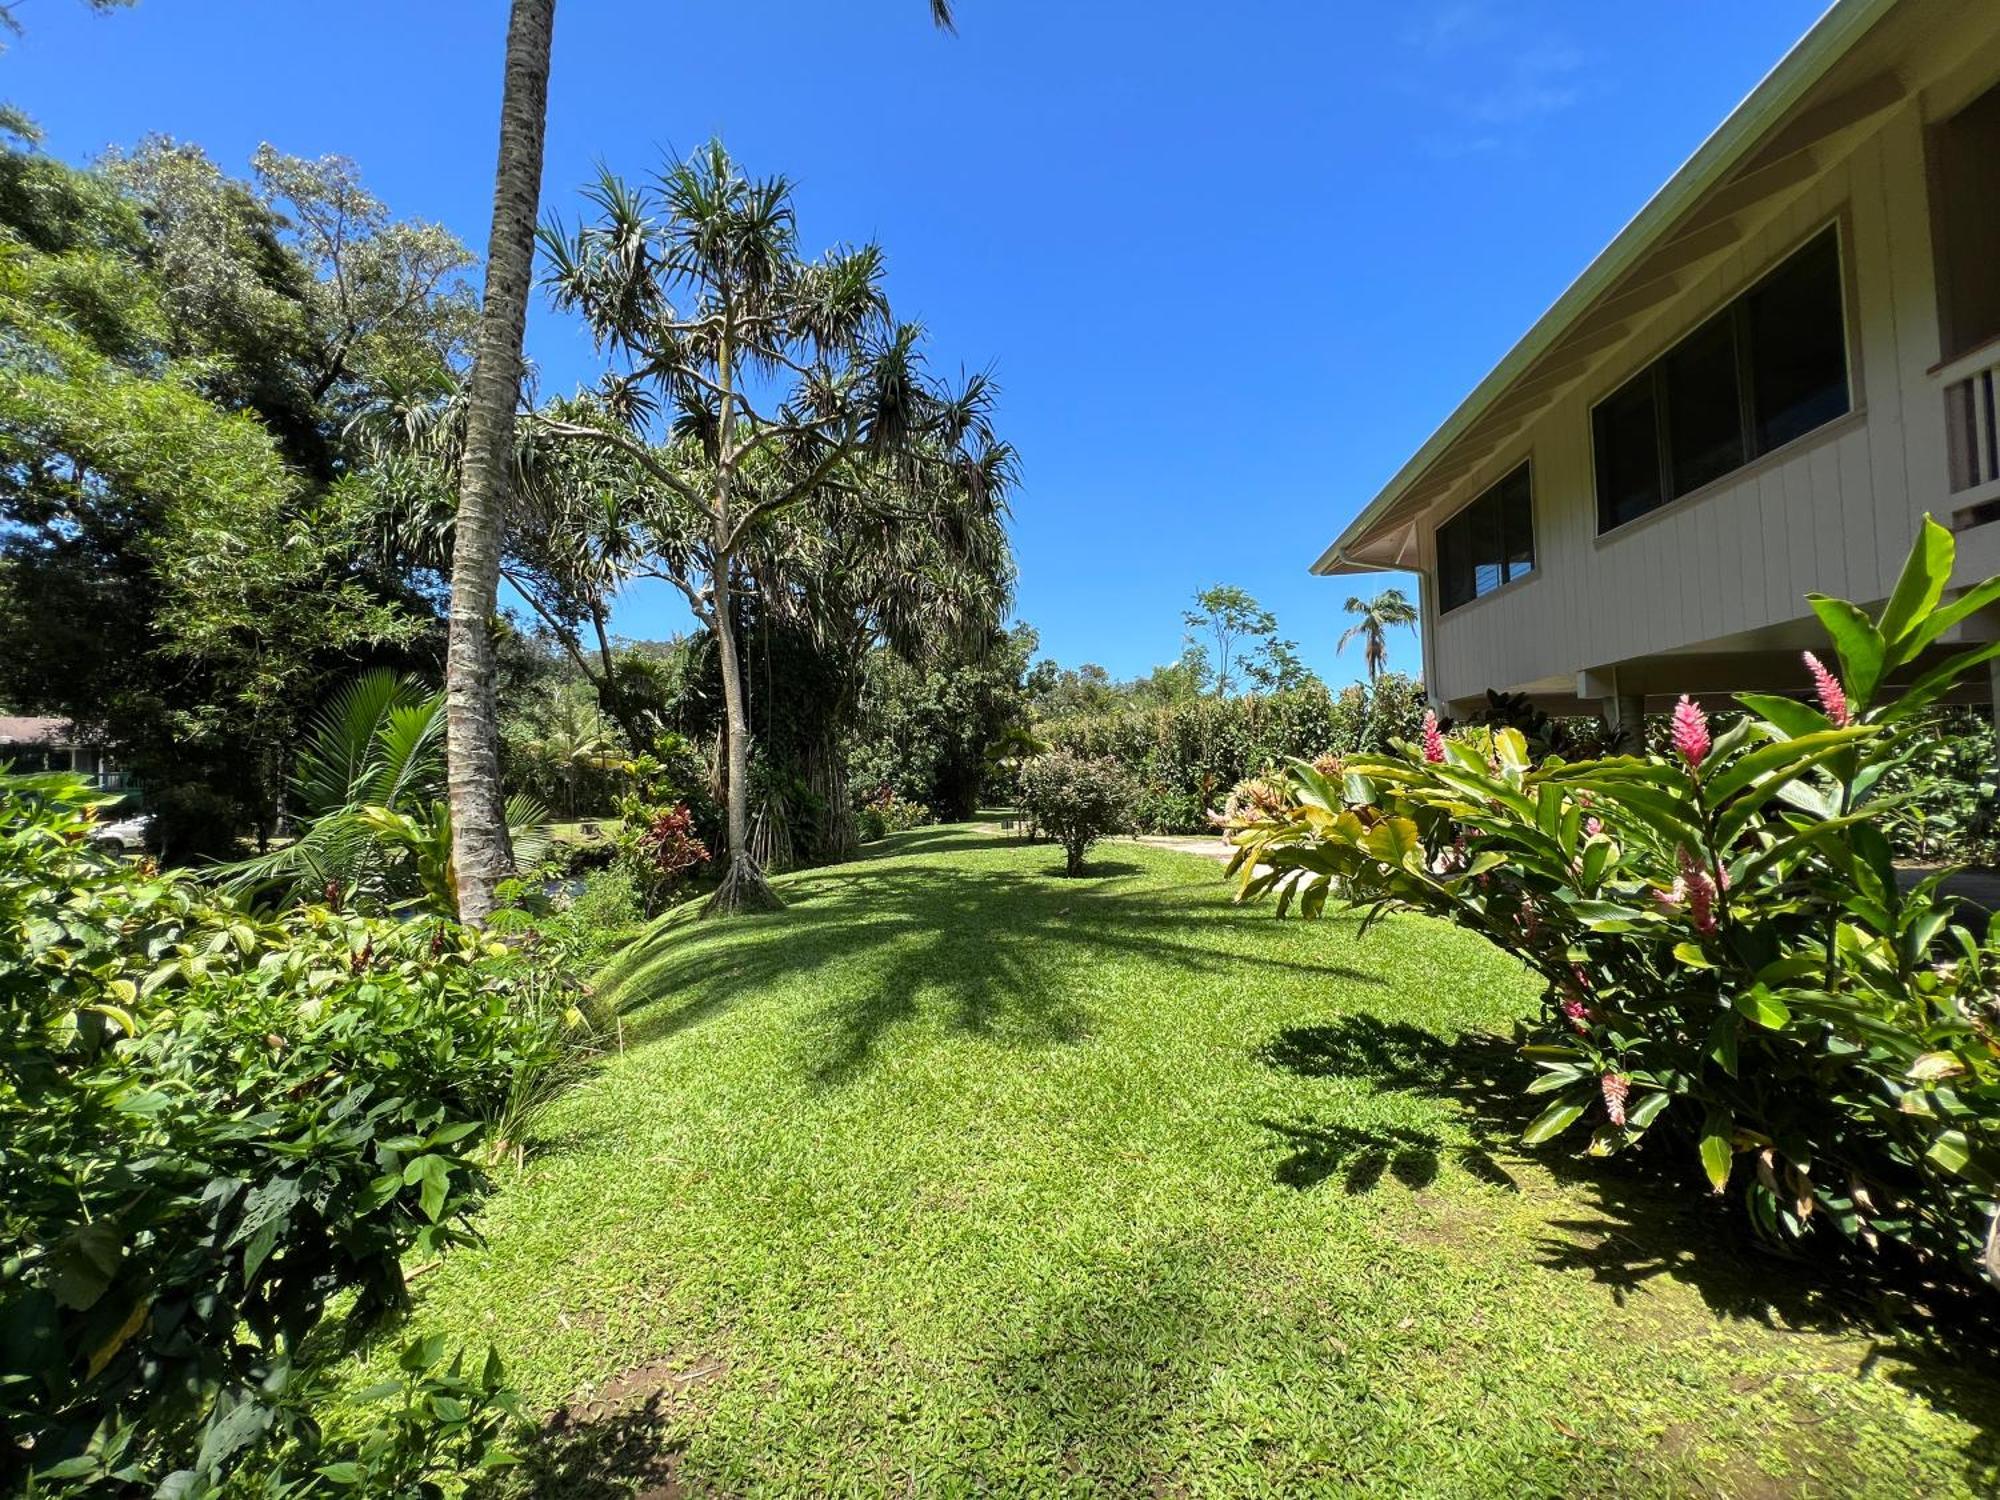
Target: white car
(127, 835)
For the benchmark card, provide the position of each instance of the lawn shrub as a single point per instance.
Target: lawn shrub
(1076, 800)
(1731, 962)
(889, 812)
(1183, 758)
(213, 1124)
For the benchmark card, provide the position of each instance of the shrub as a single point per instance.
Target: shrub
(658, 854)
(1076, 800)
(1731, 962)
(212, 1126)
(1183, 758)
(887, 812)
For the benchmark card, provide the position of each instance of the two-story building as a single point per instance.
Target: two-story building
(1755, 392)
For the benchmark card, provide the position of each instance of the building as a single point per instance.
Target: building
(1755, 392)
(40, 744)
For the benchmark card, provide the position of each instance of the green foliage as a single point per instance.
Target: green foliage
(1946, 793)
(930, 732)
(1221, 626)
(886, 813)
(369, 786)
(214, 1128)
(1732, 962)
(1185, 758)
(1076, 801)
(188, 556)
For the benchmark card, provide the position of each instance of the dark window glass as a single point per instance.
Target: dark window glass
(1628, 455)
(1489, 548)
(1489, 543)
(1704, 412)
(1784, 338)
(1798, 352)
(1454, 566)
(1518, 524)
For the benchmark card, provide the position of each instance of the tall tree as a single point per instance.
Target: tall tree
(1374, 619)
(473, 741)
(1229, 617)
(480, 851)
(778, 380)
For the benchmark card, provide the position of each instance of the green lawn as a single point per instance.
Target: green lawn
(957, 1178)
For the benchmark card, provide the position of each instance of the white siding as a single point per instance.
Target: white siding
(1833, 513)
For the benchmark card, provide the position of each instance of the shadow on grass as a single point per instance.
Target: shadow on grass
(623, 1455)
(1647, 1220)
(998, 953)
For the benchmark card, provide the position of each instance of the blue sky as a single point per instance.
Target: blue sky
(1230, 264)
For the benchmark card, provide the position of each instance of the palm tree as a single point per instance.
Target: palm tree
(1374, 619)
(480, 854)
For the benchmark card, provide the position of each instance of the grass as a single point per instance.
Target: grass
(957, 1178)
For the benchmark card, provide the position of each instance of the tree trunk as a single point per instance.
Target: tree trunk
(481, 854)
(743, 887)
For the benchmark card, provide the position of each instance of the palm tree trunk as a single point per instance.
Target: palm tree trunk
(481, 854)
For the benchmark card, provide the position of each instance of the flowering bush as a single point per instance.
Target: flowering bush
(214, 1128)
(1075, 801)
(1731, 960)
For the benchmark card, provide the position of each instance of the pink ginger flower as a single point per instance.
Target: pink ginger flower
(1433, 739)
(1578, 1014)
(1832, 696)
(1691, 731)
(1592, 827)
(1695, 892)
(1616, 1087)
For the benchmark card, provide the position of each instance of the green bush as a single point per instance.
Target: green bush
(1076, 801)
(1184, 758)
(212, 1126)
(888, 812)
(1731, 961)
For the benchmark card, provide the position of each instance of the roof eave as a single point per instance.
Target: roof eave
(1837, 29)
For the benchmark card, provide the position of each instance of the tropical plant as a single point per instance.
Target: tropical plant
(1374, 619)
(1075, 801)
(375, 832)
(1731, 958)
(217, 1132)
(481, 846)
(780, 380)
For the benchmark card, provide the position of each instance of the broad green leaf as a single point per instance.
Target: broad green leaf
(1857, 642)
(1717, 1152)
(1925, 573)
(1788, 716)
(1939, 621)
(1766, 1009)
(1781, 757)
(1554, 1120)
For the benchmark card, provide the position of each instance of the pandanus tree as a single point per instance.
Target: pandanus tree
(744, 381)
(1374, 619)
(911, 557)
(480, 854)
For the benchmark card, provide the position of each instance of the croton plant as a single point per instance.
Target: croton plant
(1732, 959)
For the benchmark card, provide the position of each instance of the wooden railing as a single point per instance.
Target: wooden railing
(1972, 418)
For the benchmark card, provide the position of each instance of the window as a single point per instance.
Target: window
(1490, 542)
(1770, 367)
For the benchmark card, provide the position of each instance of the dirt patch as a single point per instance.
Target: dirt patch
(616, 1438)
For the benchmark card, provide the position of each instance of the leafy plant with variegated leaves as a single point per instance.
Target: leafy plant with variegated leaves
(1732, 961)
